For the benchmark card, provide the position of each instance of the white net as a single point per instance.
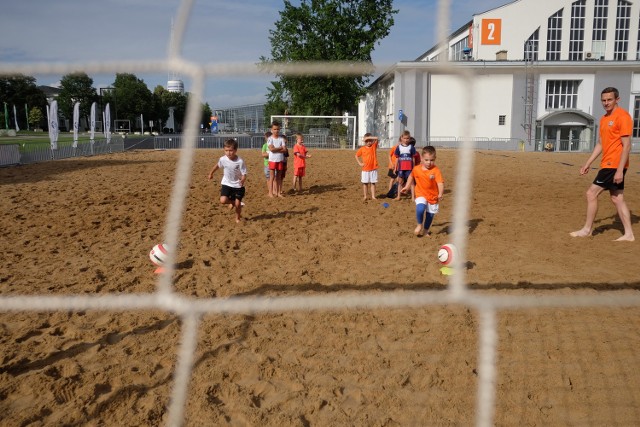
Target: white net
(491, 382)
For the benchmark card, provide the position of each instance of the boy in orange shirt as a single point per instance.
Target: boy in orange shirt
(300, 157)
(367, 158)
(429, 189)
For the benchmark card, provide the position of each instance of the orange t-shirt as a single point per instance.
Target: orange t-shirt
(612, 127)
(427, 182)
(299, 162)
(369, 157)
(393, 158)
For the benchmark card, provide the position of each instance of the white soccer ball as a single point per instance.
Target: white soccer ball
(159, 254)
(447, 253)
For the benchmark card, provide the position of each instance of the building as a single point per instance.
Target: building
(242, 119)
(536, 69)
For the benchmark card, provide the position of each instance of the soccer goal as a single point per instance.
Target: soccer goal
(122, 126)
(321, 131)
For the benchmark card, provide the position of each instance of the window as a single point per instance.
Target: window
(638, 48)
(623, 22)
(562, 94)
(576, 35)
(458, 50)
(599, 35)
(531, 46)
(502, 120)
(554, 36)
(636, 118)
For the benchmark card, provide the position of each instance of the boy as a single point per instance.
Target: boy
(233, 178)
(277, 148)
(369, 164)
(429, 189)
(265, 156)
(405, 153)
(393, 183)
(300, 157)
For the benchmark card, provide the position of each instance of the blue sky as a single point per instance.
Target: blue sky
(227, 31)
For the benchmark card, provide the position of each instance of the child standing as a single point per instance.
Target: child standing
(405, 153)
(233, 177)
(265, 156)
(367, 158)
(277, 149)
(429, 189)
(300, 157)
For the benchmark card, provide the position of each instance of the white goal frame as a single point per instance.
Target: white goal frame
(283, 119)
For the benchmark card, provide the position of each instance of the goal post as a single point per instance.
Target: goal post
(321, 131)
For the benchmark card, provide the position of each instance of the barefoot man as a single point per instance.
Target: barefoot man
(614, 144)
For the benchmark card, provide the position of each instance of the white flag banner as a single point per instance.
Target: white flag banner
(15, 118)
(93, 122)
(141, 125)
(48, 121)
(76, 117)
(107, 123)
(53, 124)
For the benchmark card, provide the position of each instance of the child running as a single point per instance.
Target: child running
(429, 190)
(367, 158)
(233, 177)
(300, 157)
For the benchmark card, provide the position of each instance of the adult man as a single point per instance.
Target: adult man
(614, 144)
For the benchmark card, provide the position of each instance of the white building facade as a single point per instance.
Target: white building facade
(528, 73)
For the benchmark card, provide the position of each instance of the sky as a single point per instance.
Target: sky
(33, 31)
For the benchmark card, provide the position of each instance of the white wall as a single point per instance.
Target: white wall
(492, 98)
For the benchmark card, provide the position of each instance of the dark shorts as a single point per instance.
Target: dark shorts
(604, 179)
(232, 193)
(392, 174)
(404, 175)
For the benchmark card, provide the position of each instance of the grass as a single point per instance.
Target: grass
(35, 140)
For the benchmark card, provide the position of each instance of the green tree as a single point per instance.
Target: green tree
(35, 117)
(129, 98)
(76, 87)
(325, 30)
(206, 115)
(19, 90)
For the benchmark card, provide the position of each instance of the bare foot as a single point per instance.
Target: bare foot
(374, 198)
(364, 199)
(625, 238)
(418, 231)
(281, 195)
(238, 220)
(580, 233)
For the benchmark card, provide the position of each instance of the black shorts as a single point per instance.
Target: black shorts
(604, 179)
(392, 174)
(232, 193)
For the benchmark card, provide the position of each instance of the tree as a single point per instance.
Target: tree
(35, 117)
(76, 87)
(326, 30)
(206, 115)
(130, 98)
(20, 90)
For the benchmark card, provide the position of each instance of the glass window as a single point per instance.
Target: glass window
(576, 36)
(623, 22)
(458, 50)
(554, 36)
(531, 46)
(502, 120)
(562, 94)
(636, 118)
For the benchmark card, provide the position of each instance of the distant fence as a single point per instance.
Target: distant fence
(497, 144)
(12, 154)
(173, 142)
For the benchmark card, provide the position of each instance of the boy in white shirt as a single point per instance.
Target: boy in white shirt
(233, 177)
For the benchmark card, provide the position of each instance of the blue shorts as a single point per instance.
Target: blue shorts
(404, 175)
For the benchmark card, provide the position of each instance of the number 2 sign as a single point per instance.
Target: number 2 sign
(491, 31)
